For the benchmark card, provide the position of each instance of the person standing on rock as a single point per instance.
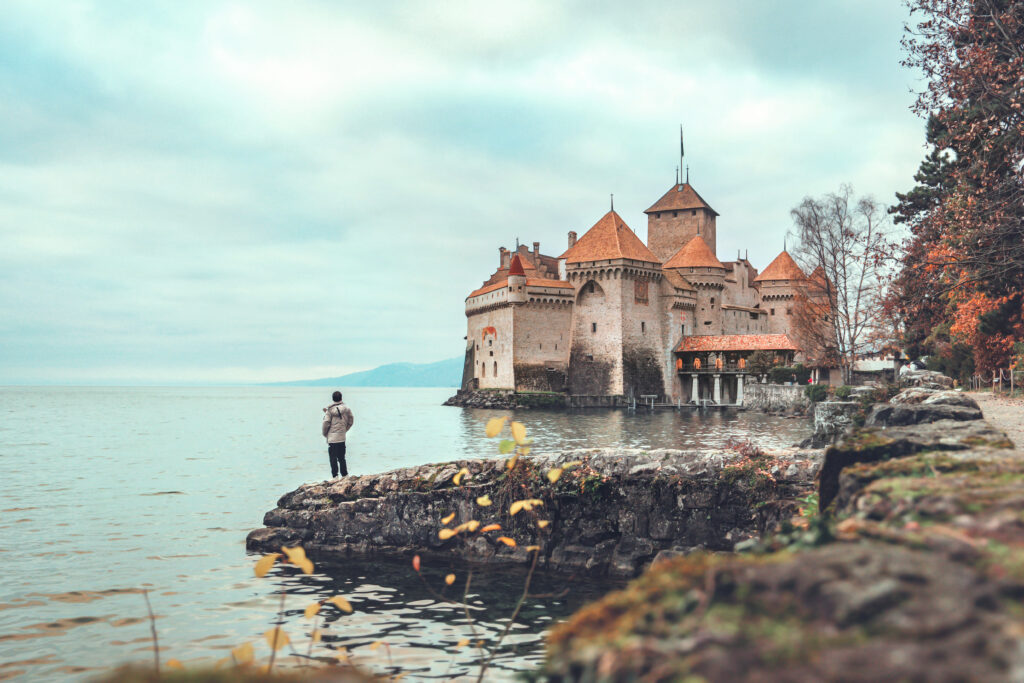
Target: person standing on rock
(338, 420)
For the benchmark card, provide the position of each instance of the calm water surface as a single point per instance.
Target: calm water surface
(104, 491)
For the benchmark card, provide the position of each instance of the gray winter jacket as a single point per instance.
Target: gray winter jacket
(338, 419)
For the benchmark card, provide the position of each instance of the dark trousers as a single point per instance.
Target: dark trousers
(336, 452)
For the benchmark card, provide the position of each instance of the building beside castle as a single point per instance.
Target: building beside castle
(612, 319)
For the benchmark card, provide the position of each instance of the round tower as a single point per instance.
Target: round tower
(517, 281)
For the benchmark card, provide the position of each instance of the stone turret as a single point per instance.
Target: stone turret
(516, 281)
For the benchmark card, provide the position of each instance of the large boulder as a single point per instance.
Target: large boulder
(873, 445)
(921, 395)
(898, 414)
(928, 379)
(832, 419)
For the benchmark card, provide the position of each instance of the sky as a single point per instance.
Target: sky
(233, 192)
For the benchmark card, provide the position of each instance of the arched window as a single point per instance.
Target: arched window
(495, 368)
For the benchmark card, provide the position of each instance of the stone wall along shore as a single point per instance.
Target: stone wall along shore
(611, 514)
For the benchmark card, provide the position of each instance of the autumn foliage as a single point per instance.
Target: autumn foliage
(962, 279)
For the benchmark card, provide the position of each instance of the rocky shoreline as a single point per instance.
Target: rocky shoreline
(913, 570)
(610, 513)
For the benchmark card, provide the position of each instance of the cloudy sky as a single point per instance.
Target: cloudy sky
(256, 191)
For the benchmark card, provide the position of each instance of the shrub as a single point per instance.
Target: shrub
(816, 392)
(785, 373)
(843, 392)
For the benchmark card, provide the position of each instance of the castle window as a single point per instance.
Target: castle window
(556, 347)
(541, 347)
(590, 356)
(694, 212)
(675, 214)
(492, 354)
(789, 311)
(643, 327)
(707, 322)
(772, 312)
(593, 327)
(495, 368)
(483, 369)
(712, 301)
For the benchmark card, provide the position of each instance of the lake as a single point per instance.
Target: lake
(108, 490)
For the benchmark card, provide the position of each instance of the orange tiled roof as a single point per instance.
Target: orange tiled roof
(610, 238)
(677, 280)
(530, 282)
(488, 288)
(738, 342)
(695, 254)
(541, 282)
(680, 197)
(782, 268)
(516, 266)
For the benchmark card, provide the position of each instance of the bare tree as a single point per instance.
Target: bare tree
(842, 241)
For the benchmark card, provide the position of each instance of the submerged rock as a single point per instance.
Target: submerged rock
(609, 514)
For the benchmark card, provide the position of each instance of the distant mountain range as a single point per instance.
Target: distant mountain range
(444, 373)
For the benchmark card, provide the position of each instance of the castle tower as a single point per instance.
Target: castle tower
(516, 281)
(616, 348)
(779, 284)
(701, 268)
(680, 215)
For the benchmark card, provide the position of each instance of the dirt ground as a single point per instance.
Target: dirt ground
(1005, 413)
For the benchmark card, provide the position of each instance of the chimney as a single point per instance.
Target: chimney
(536, 252)
(503, 257)
(572, 239)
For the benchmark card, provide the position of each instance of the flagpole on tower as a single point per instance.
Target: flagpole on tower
(682, 150)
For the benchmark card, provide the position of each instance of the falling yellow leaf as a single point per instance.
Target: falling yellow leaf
(447, 519)
(524, 450)
(342, 655)
(312, 609)
(491, 527)
(317, 635)
(243, 654)
(511, 462)
(220, 663)
(494, 426)
(276, 638)
(264, 564)
(532, 548)
(554, 473)
(472, 525)
(542, 523)
(457, 479)
(518, 433)
(445, 534)
(483, 501)
(450, 579)
(376, 644)
(174, 664)
(507, 541)
(570, 465)
(515, 507)
(341, 603)
(462, 643)
(506, 446)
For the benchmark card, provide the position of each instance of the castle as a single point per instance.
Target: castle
(613, 319)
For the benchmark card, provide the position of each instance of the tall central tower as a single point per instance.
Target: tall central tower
(675, 219)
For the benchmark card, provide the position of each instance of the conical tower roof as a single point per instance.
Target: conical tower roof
(679, 197)
(610, 238)
(695, 254)
(516, 266)
(782, 268)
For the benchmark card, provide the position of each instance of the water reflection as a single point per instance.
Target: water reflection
(392, 605)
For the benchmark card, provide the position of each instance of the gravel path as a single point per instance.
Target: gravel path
(1005, 413)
